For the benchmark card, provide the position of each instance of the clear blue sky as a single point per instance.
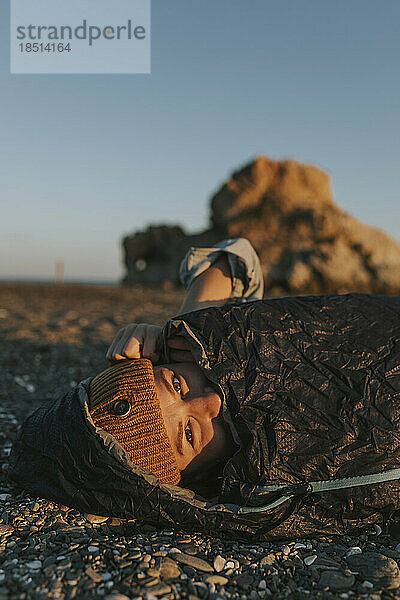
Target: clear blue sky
(85, 159)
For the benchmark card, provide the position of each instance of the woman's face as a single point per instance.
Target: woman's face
(191, 411)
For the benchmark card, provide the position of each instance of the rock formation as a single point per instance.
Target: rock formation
(306, 243)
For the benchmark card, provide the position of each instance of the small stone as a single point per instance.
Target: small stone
(299, 545)
(193, 561)
(354, 550)
(367, 584)
(34, 565)
(378, 529)
(286, 550)
(116, 596)
(262, 585)
(93, 549)
(2, 576)
(190, 549)
(376, 568)
(268, 560)
(169, 569)
(94, 576)
(106, 577)
(95, 518)
(217, 580)
(160, 590)
(6, 530)
(308, 560)
(336, 581)
(219, 563)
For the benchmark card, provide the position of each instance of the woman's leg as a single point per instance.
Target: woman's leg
(229, 271)
(212, 287)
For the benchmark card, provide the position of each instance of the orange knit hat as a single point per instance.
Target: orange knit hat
(123, 401)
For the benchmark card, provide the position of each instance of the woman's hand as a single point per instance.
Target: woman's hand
(139, 340)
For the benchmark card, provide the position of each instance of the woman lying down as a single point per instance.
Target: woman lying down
(241, 417)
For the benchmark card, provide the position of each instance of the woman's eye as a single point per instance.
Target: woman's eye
(188, 434)
(177, 384)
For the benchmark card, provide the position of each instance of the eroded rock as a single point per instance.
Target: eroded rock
(306, 243)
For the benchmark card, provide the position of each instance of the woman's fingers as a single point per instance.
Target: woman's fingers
(140, 340)
(134, 341)
(150, 342)
(115, 345)
(124, 345)
(131, 346)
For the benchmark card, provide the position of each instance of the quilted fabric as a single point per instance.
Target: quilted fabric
(311, 386)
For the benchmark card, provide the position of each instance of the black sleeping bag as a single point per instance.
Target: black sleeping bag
(311, 391)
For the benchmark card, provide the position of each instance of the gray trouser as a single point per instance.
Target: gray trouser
(246, 273)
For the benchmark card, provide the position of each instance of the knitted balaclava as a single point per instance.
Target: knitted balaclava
(123, 401)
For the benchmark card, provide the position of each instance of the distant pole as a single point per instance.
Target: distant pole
(59, 272)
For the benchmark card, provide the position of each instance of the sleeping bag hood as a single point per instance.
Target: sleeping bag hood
(311, 393)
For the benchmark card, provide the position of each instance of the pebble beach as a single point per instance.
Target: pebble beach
(53, 336)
